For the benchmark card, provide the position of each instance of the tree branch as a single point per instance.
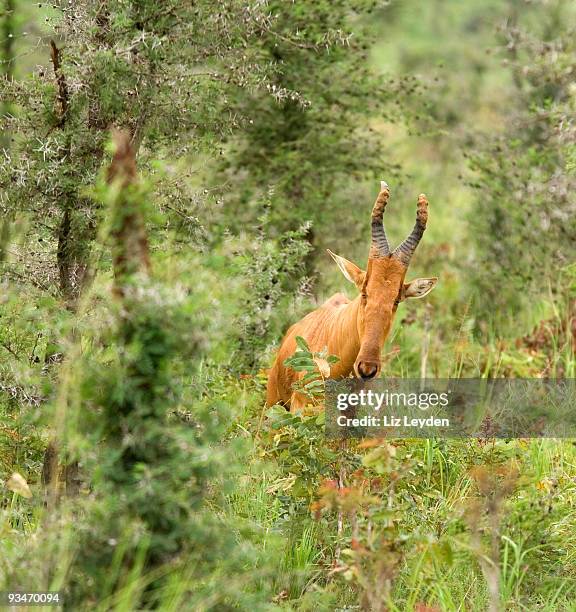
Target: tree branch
(63, 93)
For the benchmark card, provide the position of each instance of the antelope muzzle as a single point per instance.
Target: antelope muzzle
(367, 368)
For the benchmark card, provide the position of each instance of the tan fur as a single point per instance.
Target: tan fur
(355, 331)
(342, 327)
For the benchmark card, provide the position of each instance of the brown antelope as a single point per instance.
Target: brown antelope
(355, 331)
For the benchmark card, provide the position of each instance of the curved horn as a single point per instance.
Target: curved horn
(405, 251)
(379, 247)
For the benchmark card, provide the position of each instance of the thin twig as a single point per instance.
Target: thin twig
(32, 281)
(9, 349)
(63, 94)
(32, 354)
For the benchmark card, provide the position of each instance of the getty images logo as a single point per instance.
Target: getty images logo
(391, 399)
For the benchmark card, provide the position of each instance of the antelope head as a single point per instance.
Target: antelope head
(382, 285)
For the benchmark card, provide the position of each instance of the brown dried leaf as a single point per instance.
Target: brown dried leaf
(17, 483)
(323, 366)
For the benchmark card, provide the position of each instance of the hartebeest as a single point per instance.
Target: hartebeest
(355, 331)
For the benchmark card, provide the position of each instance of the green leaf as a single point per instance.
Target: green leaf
(302, 344)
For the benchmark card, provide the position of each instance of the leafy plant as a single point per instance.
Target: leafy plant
(316, 369)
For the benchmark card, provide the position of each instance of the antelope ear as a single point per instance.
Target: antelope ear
(418, 288)
(350, 270)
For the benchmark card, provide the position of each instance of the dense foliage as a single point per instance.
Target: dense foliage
(146, 279)
(525, 175)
